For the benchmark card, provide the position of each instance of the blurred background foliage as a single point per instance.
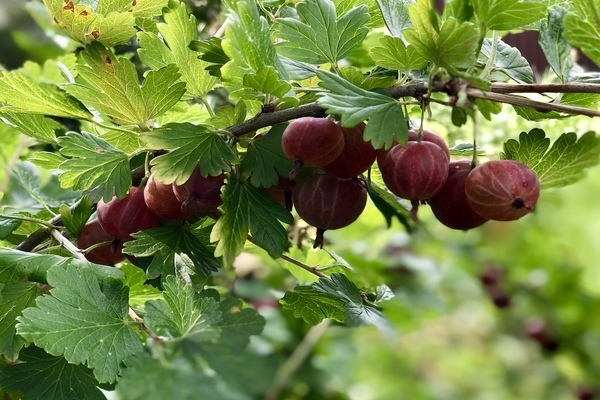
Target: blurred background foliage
(505, 311)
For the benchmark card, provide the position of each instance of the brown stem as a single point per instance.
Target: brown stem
(525, 102)
(546, 88)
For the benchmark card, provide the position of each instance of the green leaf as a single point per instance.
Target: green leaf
(212, 52)
(139, 291)
(583, 30)
(176, 250)
(508, 61)
(33, 125)
(237, 324)
(74, 219)
(7, 227)
(83, 320)
(148, 378)
(188, 145)
(86, 24)
(389, 206)
(396, 56)
(20, 94)
(14, 298)
(16, 265)
(504, 15)
(94, 164)
(313, 305)
(354, 105)
(554, 45)
(395, 15)
(265, 161)
(266, 80)
(109, 85)
(324, 37)
(454, 46)
(246, 208)
(178, 31)
(39, 375)
(247, 44)
(358, 311)
(563, 164)
(183, 314)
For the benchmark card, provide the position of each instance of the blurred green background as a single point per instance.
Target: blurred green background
(532, 334)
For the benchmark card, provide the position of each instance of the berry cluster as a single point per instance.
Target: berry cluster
(461, 195)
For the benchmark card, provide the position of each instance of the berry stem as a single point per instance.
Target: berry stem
(298, 164)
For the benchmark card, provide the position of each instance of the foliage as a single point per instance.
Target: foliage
(137, 90)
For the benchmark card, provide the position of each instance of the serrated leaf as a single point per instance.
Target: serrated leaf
(20, 94)
(14, 298)
(248, 44)
(183, 314)
(265, 161)
(47, 194)
(563, 164)
(395, 15)
(453, 46)
(81, 23)
(148, 378)
(74, 219)
(238, 324)
(139, 291)
(354, 105)
(39, 375)
(108, 22)
(504, 15)
(323, 37)
(178, 31)
(176, 250)
(554, 45)
(358, 311)
(508, 61)
(393, 54)
(249, 209)
(84, 320)
(109, 85)
(16, 265)
(47, 160)
(212, 52)
(313, 305)
(94, 164)
(188, 145)
(33, 125)
(266, 80)
(583, 31)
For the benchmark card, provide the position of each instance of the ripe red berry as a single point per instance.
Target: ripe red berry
(200, 194)
(356, 157)
(161, 200)
(327, 202)
(427, 136)
(450, 205)
(416, 172)
(122, 217)
(503, 190)
(313, 142)
(93, 233)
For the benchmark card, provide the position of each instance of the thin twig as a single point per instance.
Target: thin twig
(136, 318)
(308, 268)
(525, 102)
(295, 361)
(292, 260)
(546, 88)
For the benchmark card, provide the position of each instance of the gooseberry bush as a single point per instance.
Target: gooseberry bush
(177, 146)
